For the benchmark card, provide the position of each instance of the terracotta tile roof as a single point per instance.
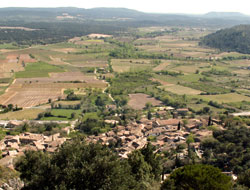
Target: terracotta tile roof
(168, 122)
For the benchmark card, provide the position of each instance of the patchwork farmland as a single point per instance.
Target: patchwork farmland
(29, 92)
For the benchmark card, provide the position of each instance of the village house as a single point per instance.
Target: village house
(113, 122)
(193, 124)
(27, 138)
(13, 124)
(15, 145)
(156, 131)
(182, 111)
(169, 124)
(12, 139)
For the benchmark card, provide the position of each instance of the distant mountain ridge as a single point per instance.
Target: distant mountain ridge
(224, 15)
(212, 19)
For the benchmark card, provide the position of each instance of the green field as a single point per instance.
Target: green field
(39, 69)
(225, 98)
(127, 65)
(29, 114)
(8, 46)
(177, 89)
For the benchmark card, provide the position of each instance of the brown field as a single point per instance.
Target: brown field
(65, 50)
(13, 62)
(164, 83)
(90, 63)
(29, 95)
(26, 58)
(18, 28)
(6, 50)
(242, 72)
(34, 91)
(9, 67)
(162, 66)
(239, 63)
(99, 36)
(61, 77)
(57, 61)
(139, 100)
(75, 39)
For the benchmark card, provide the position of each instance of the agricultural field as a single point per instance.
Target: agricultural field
(29, 92)
(139, 101)
(32, 94)
(175, 64)
(226, 98)
(29, 114)
(67, 103)
(181, 90)
(39, 69)
(127, 65)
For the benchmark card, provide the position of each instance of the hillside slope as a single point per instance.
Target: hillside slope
(232, 39)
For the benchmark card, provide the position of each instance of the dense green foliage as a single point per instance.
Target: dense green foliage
(50, 29)
(197, 177)
(49, 128)
(93, 166)
(130, 82)
(93, 123)
(230, 149)
(244, 177)
(232, 39)
(207, 86)
(53, 32)
(217, 72)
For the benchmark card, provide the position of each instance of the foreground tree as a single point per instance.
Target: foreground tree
(75, 166)
(244, 178)
(197, 177)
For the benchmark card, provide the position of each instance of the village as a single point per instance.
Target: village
(164, 134)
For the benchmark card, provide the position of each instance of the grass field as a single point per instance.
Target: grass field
(22, 114)
(181, 90)
(68, 102)
(225, 98)
(8, 46)
(39, 69)
(198, 107)
(126, 65)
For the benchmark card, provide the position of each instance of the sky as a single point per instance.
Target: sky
(153, 6)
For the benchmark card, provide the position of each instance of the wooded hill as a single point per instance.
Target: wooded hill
(231, 39)
(52, 25)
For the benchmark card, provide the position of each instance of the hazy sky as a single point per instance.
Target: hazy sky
(161, 6)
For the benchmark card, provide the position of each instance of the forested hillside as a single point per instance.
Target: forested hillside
(232, 39)
(58, 24)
